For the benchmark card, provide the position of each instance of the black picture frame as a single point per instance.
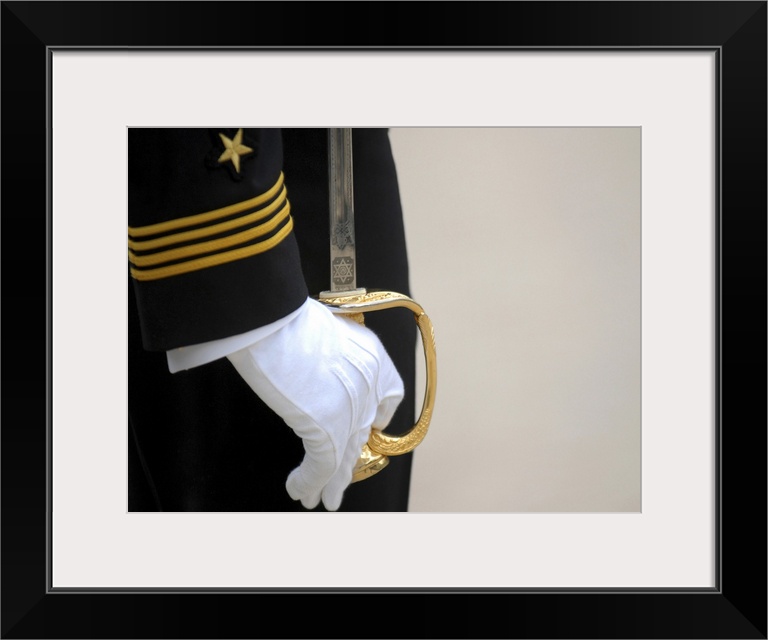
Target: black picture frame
(735, 608)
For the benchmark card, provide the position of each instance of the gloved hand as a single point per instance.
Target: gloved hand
(330, 379)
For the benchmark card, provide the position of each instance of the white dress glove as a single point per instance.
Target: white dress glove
(330, 379)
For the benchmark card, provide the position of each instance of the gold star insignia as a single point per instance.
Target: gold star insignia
(233, 149)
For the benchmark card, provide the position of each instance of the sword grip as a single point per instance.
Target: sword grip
(380, 446)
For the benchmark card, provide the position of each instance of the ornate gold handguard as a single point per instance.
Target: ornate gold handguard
(380, 446)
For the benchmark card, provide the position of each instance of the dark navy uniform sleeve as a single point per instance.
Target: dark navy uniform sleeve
(211, 246)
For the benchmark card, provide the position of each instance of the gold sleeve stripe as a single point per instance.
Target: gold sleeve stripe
(186, 236)
(214, 260)
(212, 245)
(202, 218)
(212, 230)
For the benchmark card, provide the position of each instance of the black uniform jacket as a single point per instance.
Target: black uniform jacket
(229, 231)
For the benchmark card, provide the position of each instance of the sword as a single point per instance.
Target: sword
(345, 297)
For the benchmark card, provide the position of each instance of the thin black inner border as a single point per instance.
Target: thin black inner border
(716, 589)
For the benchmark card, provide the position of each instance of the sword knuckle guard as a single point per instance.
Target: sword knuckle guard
(381, 445)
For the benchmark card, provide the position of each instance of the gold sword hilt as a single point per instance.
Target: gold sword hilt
(380, 446)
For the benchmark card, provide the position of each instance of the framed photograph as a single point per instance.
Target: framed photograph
(650, 120)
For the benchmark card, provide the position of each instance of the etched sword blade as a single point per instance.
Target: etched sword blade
(342, 212)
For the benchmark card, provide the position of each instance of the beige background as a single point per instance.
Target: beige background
(525, 252)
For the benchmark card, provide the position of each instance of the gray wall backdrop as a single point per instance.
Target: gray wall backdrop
(524, 246)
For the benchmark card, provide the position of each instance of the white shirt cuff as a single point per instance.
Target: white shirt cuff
(197, 354)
